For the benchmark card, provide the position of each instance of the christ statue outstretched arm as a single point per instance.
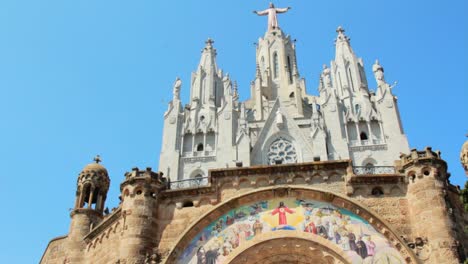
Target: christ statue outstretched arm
(271, 12)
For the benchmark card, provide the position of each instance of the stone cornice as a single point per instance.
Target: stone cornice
(283, 168)
(381, 178)
(216, 174)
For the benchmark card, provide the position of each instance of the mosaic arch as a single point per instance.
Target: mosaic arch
(312, 219)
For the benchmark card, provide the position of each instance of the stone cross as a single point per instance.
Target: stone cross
(97, 159)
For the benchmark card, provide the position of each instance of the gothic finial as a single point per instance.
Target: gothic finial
(341, 35)
(97, 159)
(340, 30)
(209, 42)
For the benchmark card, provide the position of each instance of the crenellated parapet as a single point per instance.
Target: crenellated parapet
(420, 163)
(150, 180)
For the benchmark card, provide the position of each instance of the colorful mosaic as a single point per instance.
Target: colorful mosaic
(354, 235)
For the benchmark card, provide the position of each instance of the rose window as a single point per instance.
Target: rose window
(281, 152)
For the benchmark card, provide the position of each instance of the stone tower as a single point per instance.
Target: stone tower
(428, 187)
(92, 186)
(140, 191)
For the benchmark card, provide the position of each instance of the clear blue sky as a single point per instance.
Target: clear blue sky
(79, 78)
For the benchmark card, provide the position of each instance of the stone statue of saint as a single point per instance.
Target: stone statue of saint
(279, 119)
(326, 76)
(176, 89)
(271, 12)
(378, 73)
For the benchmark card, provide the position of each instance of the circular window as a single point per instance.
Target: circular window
(281, 152)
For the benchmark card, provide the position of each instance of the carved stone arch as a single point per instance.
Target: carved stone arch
(367, 161)
(335, 177)
(395, 191)
(276, 136)
(302, 247)
(189, 240)
(262, 182)
(197, 173)
(244, 182)
(298, 179)
(316, 179)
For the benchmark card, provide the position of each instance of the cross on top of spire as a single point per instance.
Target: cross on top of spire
(97, 159)
(209, 42)
(341, 35)
(340, 30)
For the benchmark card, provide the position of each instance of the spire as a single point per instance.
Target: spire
(207, 86)
(208, 58)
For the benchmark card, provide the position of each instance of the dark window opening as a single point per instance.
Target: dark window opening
(377, 191)
(187, 204)
(275, 65)
(200, 147)
(290, 70)
(363, 136)
(316, 158)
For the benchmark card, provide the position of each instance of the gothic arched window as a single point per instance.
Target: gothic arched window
(281, 151)
(275, 65)
(290, 70)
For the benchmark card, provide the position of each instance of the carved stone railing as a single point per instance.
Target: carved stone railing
(189, 183)
(367, 142)
(204, 153)
(358, 170)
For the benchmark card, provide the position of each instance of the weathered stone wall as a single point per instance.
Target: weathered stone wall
(55, 252)
(145, 220)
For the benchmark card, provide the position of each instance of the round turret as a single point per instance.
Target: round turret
(93, 184)
(464, 157)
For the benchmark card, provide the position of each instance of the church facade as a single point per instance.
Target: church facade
(283, 177)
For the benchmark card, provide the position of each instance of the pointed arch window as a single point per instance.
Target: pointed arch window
(290, 70)
(275, 65)
(262, 61)
(351, 79)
